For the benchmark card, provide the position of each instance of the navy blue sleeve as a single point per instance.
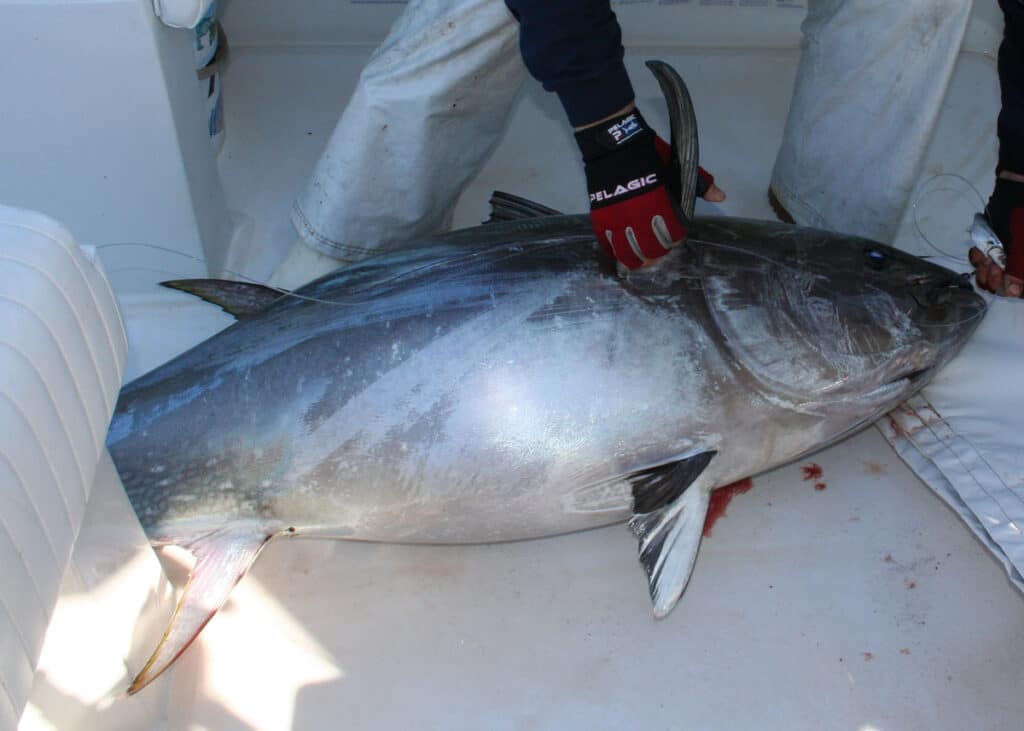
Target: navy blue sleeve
(1011, 80)
(574, 48)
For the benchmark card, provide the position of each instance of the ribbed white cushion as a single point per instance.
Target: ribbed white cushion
(62, 353)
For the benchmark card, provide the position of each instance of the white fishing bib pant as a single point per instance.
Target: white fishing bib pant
(429, 108)
(871, 81)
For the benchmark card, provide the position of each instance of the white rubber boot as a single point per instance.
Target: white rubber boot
(302, 264)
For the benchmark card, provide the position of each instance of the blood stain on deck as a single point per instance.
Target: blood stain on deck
(813, 472)
(875, 468)
(897, 428)
(720, 500)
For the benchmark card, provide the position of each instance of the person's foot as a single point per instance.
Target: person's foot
(1005, 214)
(302, 264)
(780, 210)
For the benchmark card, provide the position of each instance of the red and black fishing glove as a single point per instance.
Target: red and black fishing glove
(632, 208)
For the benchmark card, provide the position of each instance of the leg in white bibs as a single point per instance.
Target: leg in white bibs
(427, 112)
(871, 81)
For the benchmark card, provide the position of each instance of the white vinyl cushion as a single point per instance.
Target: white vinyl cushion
(62, 354)
(961, 435)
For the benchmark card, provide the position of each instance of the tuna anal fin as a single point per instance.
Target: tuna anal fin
(508, 207)
(670, 535)
(235, 298)
(222, 558)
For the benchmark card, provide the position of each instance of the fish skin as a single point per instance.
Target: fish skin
(504, 382)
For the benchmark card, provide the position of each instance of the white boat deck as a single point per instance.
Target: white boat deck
(863, 605)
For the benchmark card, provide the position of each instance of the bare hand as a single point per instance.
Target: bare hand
(992, 277)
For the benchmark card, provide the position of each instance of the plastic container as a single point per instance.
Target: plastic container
(210, 53)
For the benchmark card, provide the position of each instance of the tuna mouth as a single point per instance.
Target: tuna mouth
(900, 384)
(948, 309)
(907, 380)
(912, 377)
(935, 291)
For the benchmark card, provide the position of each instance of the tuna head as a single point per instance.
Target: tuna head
(820, 318)
(816, 316)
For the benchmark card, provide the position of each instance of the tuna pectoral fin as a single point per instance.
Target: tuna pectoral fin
(683, 123)
(222, 558)
(669, 539)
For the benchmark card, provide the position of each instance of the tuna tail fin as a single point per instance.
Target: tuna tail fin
(683, 123)
(670, 536)
(222, 558)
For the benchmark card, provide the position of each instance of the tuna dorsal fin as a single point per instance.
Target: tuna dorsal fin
(683, 122)
(235, 298)
(222, 558)
(508, 207)
(669, 513)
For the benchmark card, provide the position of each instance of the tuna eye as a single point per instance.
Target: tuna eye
(875, 259)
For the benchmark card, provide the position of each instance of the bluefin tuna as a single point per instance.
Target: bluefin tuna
(505, 382)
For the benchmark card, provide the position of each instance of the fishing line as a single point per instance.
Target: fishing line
(167, 273)
(392, 280)
(448, 261)
(239, 275)
(942, 254)
(921, 196)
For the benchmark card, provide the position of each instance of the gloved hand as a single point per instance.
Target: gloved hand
(632, 208)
